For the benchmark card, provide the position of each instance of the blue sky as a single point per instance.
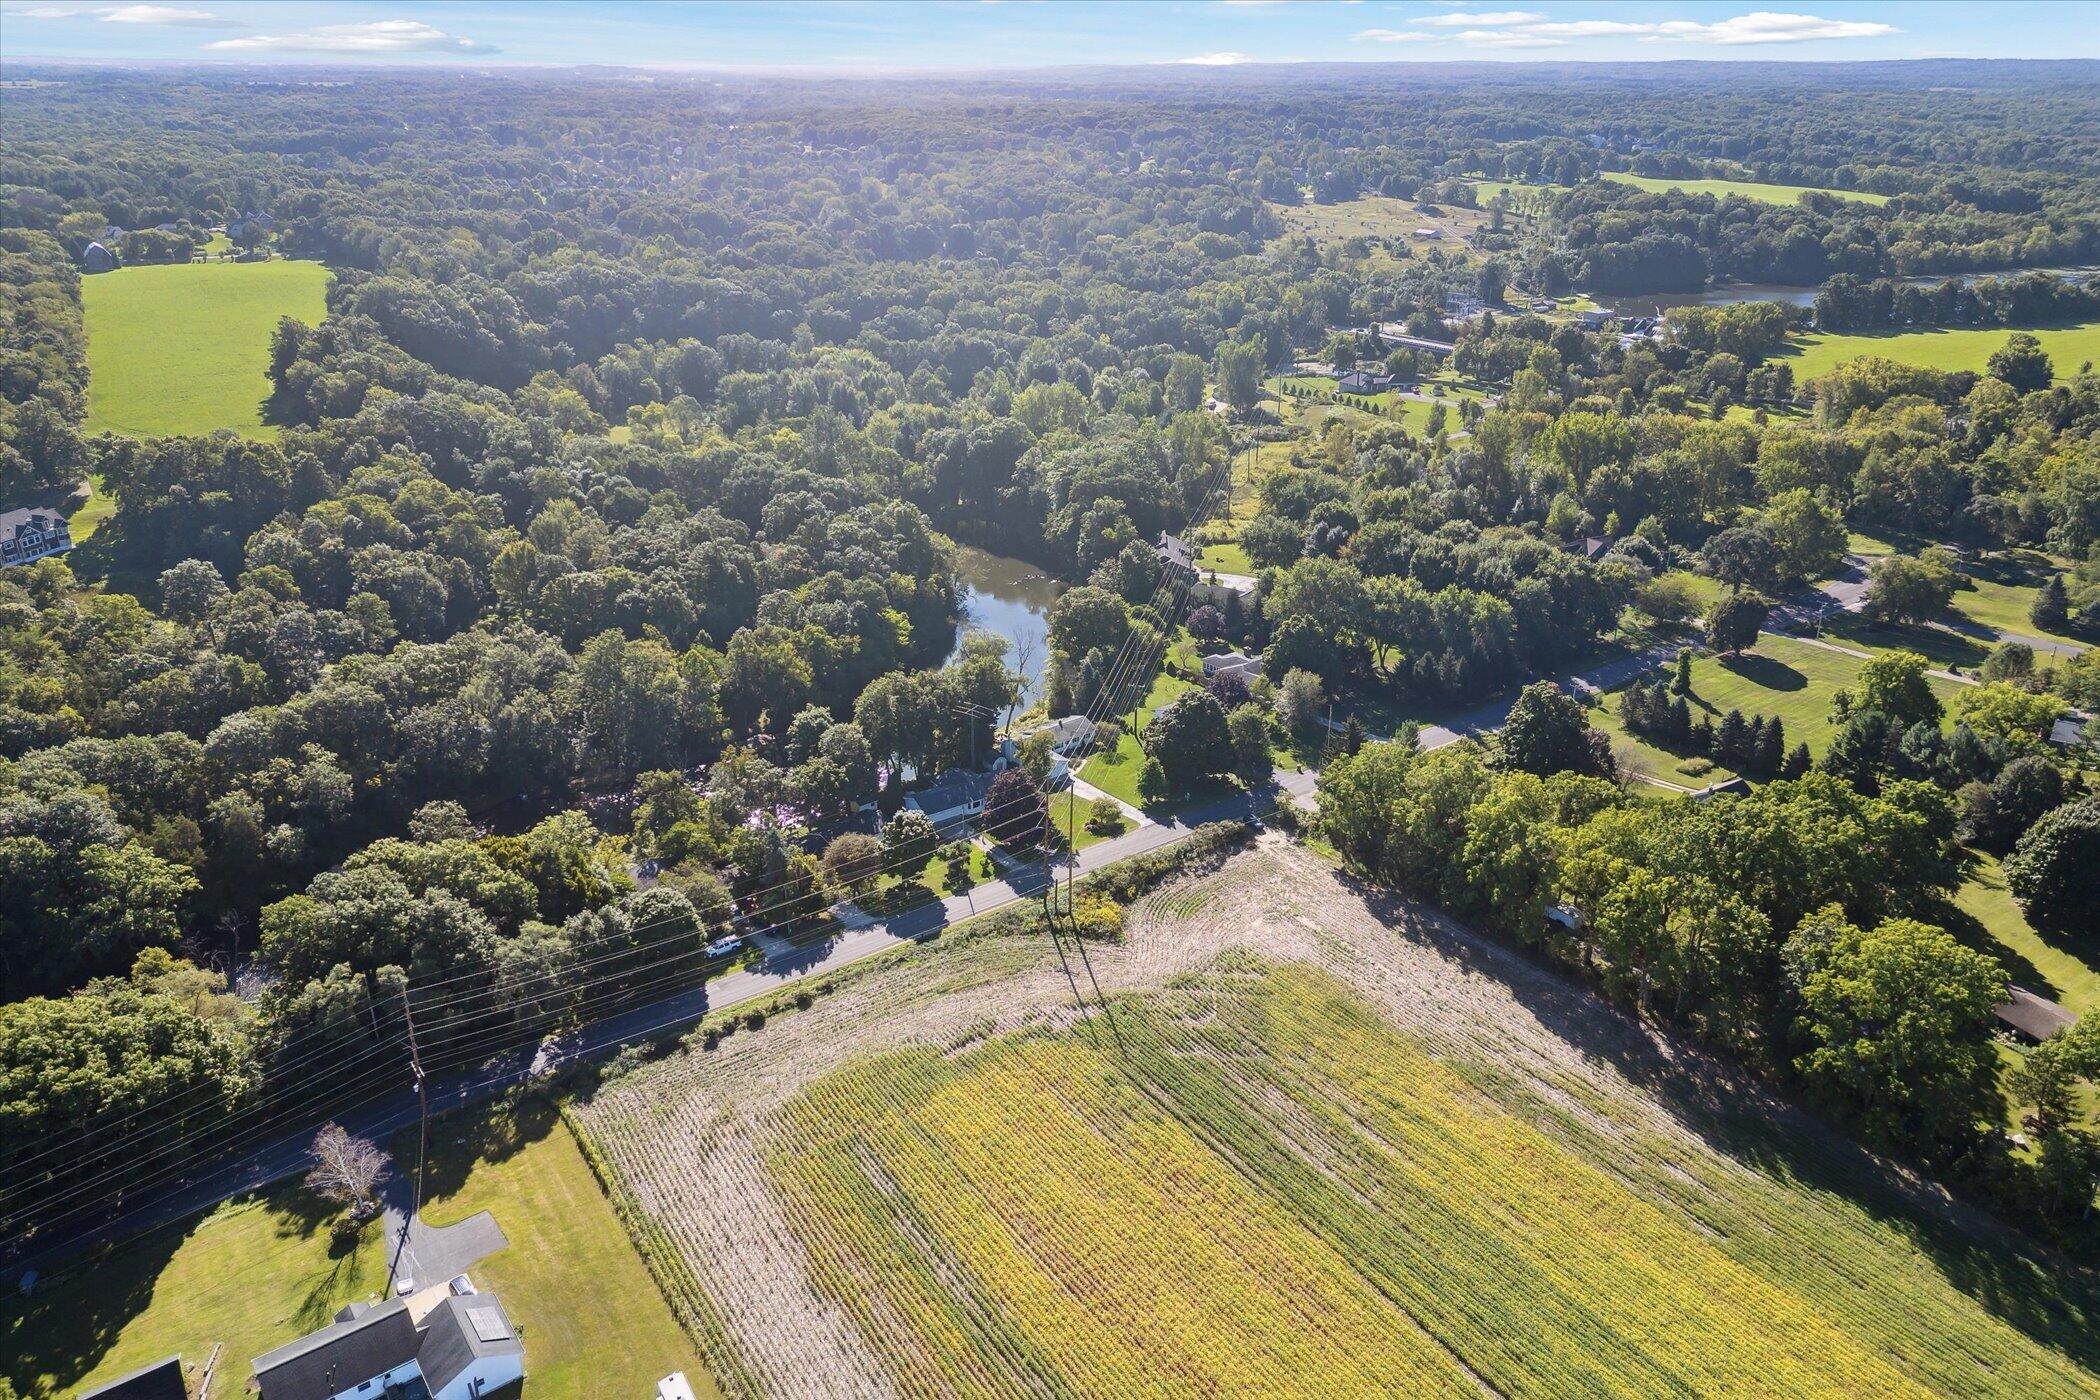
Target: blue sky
(964, 34)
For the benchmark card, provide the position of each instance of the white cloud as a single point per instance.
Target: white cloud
(1508, 39)
(1397, 36)
(161, 14)
(1487, 17)
(384, 36)
(1765, 27)
(1215, 60)
(1589, 28)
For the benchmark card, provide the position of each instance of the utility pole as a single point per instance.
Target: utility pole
(415, 1064)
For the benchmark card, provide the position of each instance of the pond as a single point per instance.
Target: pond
(1732, 293)
(1009, 598)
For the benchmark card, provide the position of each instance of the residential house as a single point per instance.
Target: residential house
(31, 534)
(1176, 553)
(1071, 733)
(1223, 662)
(452, 1346)
(1359, 381)
(952, 797)
(1590, 547)
(1429, 233)
(160, 1381)
(1594, 320)
(2068, 732)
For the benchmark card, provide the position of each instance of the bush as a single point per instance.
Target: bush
(1106, 818)
(1097, 917)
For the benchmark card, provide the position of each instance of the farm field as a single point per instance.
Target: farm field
(255, 1273)
(1234, 1169)
(184, 348)
(1380, 216)
(1748, 189)
(1971, 349)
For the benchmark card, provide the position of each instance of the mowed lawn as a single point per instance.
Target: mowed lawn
(184, 348)
(253, 1274)
(2034, 962)
(1748, 189)
(1970, 349)
(1782, 676)
(593, 1322)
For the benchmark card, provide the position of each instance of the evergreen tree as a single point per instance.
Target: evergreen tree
(2052, 607)
(1682, 685)
(1797, 763)
(1353, 736)
(1700, 739)
(1728, 742)
(1771, 749)
(1680, 732)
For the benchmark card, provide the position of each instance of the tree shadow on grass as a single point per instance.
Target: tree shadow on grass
(1764, 672)
(61, 1332)
(472, 1138)
(2039, 1291)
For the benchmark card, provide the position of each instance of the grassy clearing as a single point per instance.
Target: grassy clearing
(2068, 347)
(592, 1320)
(184, 348)
(1781, 676)
(253, 1274)
(1747, 189)
(1379, 216)
(1946, 650)
(1294, 1136)
(1115, 771)
(2048, 969)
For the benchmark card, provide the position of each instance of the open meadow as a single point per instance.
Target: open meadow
(1747, 189)
(1281, 1130)
(184, 348)
(1950, 350)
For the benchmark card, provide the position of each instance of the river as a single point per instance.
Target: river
(1010, 598)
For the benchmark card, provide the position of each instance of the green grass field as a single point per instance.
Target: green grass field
(1379, 216)
(1748, 189)
(2068, 347)
(1781, 676)
(253, 1274)
(591, 1318)
(2032, 961)
(261, 1271)
(184, 348)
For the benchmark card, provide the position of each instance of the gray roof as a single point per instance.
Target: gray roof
(2035, 1017)
(461, 1330)
(2068, 731)
(1176, 551)
(340, 1355)
(160, 1381)
(958, 787)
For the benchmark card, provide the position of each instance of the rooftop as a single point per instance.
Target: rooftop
(2035, 1017)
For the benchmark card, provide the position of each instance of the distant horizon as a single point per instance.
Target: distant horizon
(953, 37)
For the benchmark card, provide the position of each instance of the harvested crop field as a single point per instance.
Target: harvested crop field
(1290, 1137)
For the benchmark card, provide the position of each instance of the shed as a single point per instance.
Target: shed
(2068, 732)
(2032, 1019)
(96, 258)
(160, 1381)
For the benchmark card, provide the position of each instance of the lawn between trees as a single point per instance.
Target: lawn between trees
(265, 1268)
(184, 348)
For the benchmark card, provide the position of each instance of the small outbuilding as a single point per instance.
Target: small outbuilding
(2032, 1019)
(97, 258)
(160, 1381)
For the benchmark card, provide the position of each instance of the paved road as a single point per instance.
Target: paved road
(783, 963)
(1848, 593)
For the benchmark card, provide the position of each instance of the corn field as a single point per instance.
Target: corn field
(1286, 1141)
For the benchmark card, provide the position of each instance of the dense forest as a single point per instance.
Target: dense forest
(610, 518)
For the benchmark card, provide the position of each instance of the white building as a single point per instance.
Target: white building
(1222, 662)
(459, 1347)
(1067, 734)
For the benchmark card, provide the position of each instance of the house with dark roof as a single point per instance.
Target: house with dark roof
(31, 534)
(2068, 732)
(1176, 554)
(954, 796)
(442, 1344)
(97, 258)
(160, 1381)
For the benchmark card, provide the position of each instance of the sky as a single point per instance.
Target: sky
(861, 35)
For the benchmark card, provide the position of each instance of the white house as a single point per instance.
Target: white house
(1224, 661)
(951, 797)
(1067, 734)
(458, 1348)
(30, 534)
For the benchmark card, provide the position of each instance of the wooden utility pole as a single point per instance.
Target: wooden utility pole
(415, 1064)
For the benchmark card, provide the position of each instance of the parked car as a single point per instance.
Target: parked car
(462, 1286)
